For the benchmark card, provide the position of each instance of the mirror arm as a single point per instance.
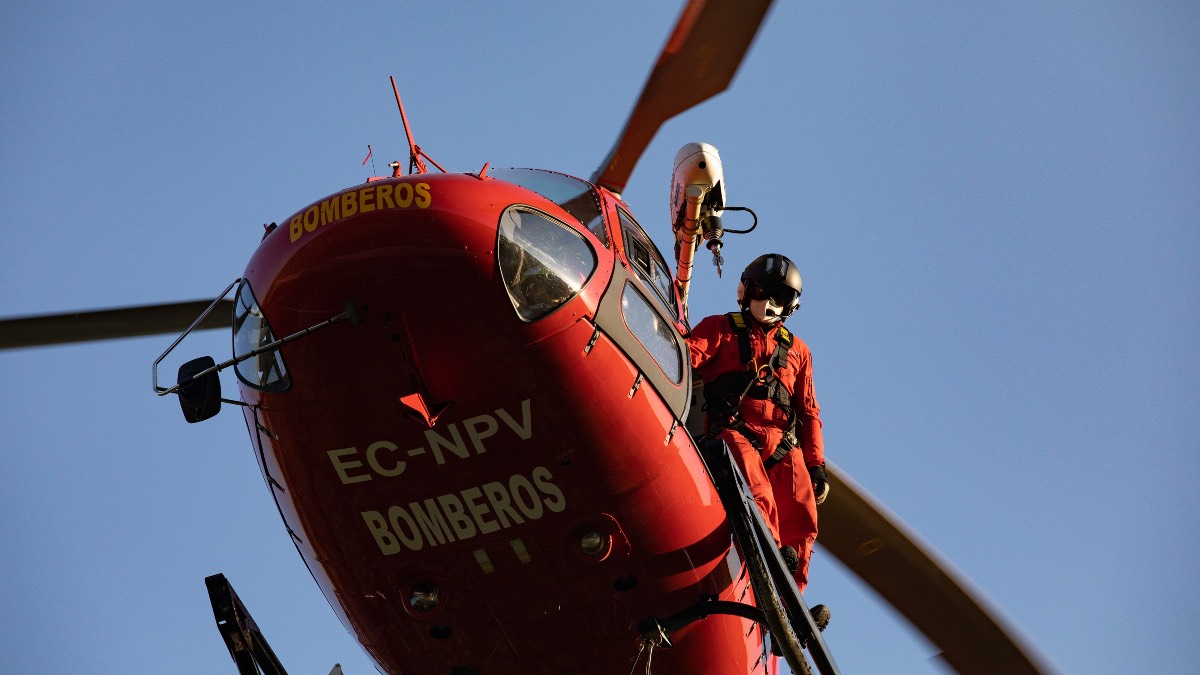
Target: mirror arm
(154, 370)
(350, 313)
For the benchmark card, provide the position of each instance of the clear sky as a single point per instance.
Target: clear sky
(995, 206)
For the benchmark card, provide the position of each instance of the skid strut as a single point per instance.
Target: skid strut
(774, 585)
(658, 631)
(247, 645)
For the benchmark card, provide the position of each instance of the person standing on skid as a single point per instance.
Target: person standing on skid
(759, 399)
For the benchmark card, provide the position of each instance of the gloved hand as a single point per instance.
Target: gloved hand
(820, 482)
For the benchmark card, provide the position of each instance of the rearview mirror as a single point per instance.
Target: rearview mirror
(199, 398)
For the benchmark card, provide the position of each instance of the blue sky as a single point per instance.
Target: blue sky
(994, 206)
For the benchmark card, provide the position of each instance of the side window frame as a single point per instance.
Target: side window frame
(275, 377)
(653, 272)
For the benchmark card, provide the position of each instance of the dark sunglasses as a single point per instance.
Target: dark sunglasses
(782, 296)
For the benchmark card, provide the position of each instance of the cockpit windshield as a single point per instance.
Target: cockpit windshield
(543, 263)
(576, 197)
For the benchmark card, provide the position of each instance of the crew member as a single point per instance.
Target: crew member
(759, 399)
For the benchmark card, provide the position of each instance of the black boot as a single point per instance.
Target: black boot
(790, 558)
(820, 616)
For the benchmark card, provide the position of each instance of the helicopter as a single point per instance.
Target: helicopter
(585, 244)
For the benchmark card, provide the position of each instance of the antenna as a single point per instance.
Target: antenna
(415, 153)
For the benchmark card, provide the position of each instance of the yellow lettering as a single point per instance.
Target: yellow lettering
(373, 461)
(541, 477)
(397, 514)
(454, 444)
(349, 204)
(501, 504)
(458, 516)
(489, 429)
(365, 200)
(531, 508)
(432, 523)
(525, 429)
(478, 511)
(341, 466)
(383, 194)
(453, 508)
(379, 529)
(330, 211)
(404, 195)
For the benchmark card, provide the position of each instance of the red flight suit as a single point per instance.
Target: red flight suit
(783, 493)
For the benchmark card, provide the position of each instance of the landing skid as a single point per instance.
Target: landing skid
(246, 643)
(781, 606)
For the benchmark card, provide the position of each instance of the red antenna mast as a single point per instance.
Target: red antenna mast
(415, 153)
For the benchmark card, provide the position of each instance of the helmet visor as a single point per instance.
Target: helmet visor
(783, 296)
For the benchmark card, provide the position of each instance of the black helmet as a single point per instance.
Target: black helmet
(772, 276)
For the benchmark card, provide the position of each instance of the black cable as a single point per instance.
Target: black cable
(748, 210)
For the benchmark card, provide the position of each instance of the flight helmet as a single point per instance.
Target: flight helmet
(770, 288)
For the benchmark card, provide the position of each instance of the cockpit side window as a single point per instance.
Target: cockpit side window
(250, 331)
(655, 334)
(647, 263)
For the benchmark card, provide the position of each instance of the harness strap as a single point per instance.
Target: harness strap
(738, 323)
(781, 451)
(771, 388)
(783, 344)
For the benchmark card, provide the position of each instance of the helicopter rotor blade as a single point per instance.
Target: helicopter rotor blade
(880, 550)
(884, 553)
(698, 62)
(107, 324)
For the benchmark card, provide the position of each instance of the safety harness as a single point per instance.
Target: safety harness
(723, 396)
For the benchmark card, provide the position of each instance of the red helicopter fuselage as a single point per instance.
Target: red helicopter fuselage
(488, 473)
